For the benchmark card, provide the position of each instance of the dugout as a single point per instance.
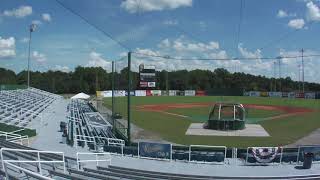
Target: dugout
(226, 116)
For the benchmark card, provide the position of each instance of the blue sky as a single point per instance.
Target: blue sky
(179, 28)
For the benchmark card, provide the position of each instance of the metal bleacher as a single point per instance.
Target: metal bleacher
(19, 107)
(87, 127)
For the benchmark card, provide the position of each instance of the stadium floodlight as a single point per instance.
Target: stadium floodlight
(31, 29)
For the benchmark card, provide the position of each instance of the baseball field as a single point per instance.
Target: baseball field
(286, 120)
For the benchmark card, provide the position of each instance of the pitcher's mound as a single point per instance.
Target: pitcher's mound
(251, 130)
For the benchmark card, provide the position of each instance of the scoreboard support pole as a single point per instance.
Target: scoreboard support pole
(129, 95)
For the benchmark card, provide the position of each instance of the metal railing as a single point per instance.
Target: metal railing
(16, 138)
(224, 148)
(38, 160)
(26, 171)
(97, 160)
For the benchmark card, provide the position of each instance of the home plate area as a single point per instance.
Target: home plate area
(251, 130)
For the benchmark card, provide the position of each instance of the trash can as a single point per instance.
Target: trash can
(307, 161)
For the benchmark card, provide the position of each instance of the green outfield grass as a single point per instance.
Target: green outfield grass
(172, 128)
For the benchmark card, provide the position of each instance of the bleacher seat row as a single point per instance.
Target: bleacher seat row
(20, 107)
(87, 127)
(112, 172)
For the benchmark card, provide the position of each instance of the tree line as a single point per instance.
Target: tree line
(90, 79)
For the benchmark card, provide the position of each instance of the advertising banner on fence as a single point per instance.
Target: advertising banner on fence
(154, 150)
(140, 93)
(119, 93)
(189, 92)
(172, 92)
(291, 95)
(200, 93)
(106, 93)
(285, 94)
(132, 93)
(315, 150)
(156, 92)
(264, 94)
(275, 94)
(310, 95)
(254, 93)
(299, 95)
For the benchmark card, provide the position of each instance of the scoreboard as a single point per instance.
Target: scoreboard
(147, 76)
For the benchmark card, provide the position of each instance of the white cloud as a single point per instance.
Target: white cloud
(296, 23)
(36, 22)
(282, 14)
(171, 22)
(46, 17)
(61, 68)
(95, 60)
(313, 12)
(39, 57)
(7, 47)
(247, 54)
(182, 45)
(24, 40)
(20, 12)
(134, 6)
(164, 43)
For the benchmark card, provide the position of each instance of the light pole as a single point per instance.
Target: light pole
(31, 29)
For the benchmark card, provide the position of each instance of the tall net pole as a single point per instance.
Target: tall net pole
(129, 96)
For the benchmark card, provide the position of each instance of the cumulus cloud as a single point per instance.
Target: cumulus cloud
(170, 22)
(7, 47)
(282, 14)
(46, 17)
(36, 22)
(61, 68)
(39, 57)
(20, 12)
(134, 6)
(24, 40)
(95, 60)
(296, 23)
(181, 45)
(248, 54)
(313, 12)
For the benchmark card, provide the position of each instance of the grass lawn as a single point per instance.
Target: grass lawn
(172, 128)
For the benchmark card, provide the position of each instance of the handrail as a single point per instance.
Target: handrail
(206, 146)
(39, 161)
(26, 171)
(12, 137)
(97, 160)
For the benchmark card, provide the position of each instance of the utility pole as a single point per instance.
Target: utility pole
(302, 64)
(279, 61)
(274, 75)
(299, 68)
(129, 95)
(31, 29)
(167, 82)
